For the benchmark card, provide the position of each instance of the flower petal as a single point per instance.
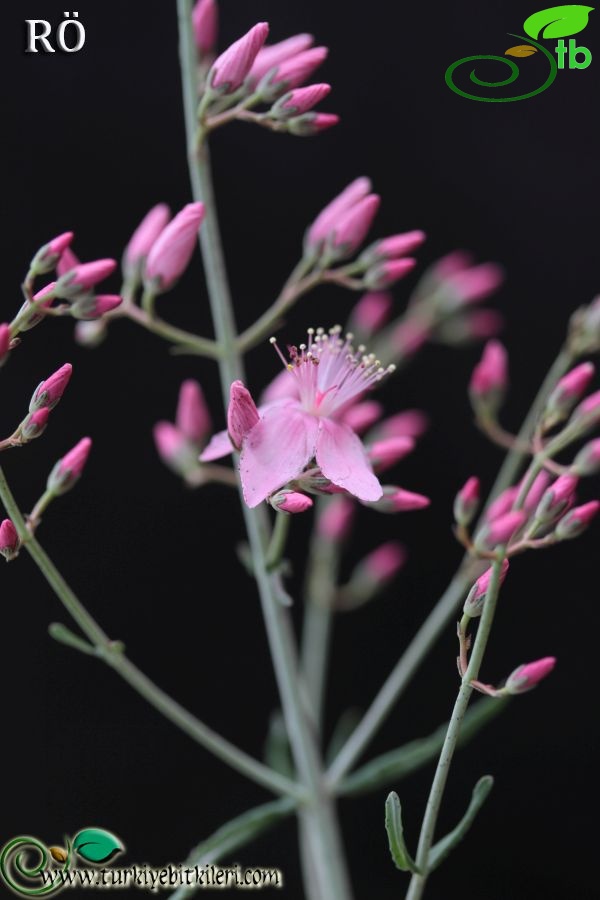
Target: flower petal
(218, 446)
(343, 459)
(275, 451)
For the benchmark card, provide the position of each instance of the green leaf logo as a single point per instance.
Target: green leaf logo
(557, 21)
(96, 845)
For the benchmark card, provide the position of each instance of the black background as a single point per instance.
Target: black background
(92, 140)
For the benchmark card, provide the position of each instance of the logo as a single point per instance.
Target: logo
(548, 24)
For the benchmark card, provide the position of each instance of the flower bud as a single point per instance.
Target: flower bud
(33, 318)
(373, 573)
(384, 274)
(470, 285)
(528, 675)
(536, 491)
(297, 102)
(392, 247)
(360, 416)
(49, 392)
(144, 236)
(502, 504)
(92, 306)
(385, 454)
(351, 227)
(4, 342)
(295, 70)
(311, 123)
(371, 313)
(489, 379)
(397, 500)
(205, 24)
(67, 261)
(327, 219)
(48, 256)
(556, 498)
(242, 414)
(466, 502)
(229, 70)
(500, 530)
(576, 521)
(170, 254)
(34, 425)
(68, 470)
(587, 415)
(335, 520)
(9, 540)
(587, 461)
(271, 56)
(83, 278)
(409, 336)
(461, 330)
(567, 393)
(192, 418)
(290, 502)
(410, 423)
(476, 597)
(174, 449)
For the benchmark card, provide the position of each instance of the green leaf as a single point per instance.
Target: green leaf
(96, 844)
(557, 21)
(440, 851)
(395, 833)
(391, 767)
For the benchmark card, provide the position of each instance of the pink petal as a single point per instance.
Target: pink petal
(276, 451)
(283, 386)
(343, 459)
(219, 445)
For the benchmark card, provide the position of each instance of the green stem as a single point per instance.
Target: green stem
(417, 883)
(319, 813)
(278, 541)
(201, 346)
(111, 653)
(446, 607)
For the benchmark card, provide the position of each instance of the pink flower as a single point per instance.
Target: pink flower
(490, 376)
(328, 218)
(384, 563)
(9, 539)
(242, 414)
(385, 454)
(577, 520)
(49, 392)
(84, 277)
(230, 69)
(371, 312)
(205, 22)
(172, 250)
(192, 418)
(49, 255)
(67, 261)
(291, 502)
(301, 100)
(527, 676)
(4, 342)
(145, 235)
(385, 274)
(272, 55)
(335, 521)
(476, 597)
(466, 502)
(501, 529)
(68, 470)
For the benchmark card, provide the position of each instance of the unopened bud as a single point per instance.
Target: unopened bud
(230, 69)
(174, 449)
(48, 256)
(9, 540)
(4, 343)
(587, 415)
(385, 454)
(311, 123)
(556, 499)
(503, 503)
(567, 393)
(373, 573)
(587, 461)
(396, 500)
(242, 414)
(370, 313)
(361, 416)
(92, 306)
(576, 521)
(290, 502)
(68, 470)
(33, 318)
(476, 597)
(385, 274)
(466, 502)
(529, 675)
(297, 102)
(489, 379)
(192, 418)
(205, 23)
(35, 424)
(49, 392)
(335, 521)
(500, 530)
(83, 278)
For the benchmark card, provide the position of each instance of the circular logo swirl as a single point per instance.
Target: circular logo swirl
(514, 74)
(18, 874)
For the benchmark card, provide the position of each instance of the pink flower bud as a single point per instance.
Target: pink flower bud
(242, 414)
(576, 521)
(272, 55)
(392, 247)
(4, 342)
(537, 491)
(383, 275)
(92, 306)
(30, 320)
(35, 424)
(193, 418)
(360, 416)
(557, 498)
(384, 454)
(587, 414)
(290, 502)
(67, 261)
(408, 337)
(171, 252)
(490, 378)
(476, 598)
(482, 324)
(172, 447)
(473, 285)
(569, 391)
(587, 461)
(410, 423)
(312, 123)
(384, 563)
(335, 521)
(501, 529)
(205, 23)
(295, 70)
(229, 70)
(502, 504)
(352, 226)
(68, 470)
(371, 313)
(9, 539)
(144, 236)
(301, 100)
(397, 500)
(323, 225)
(49, 392)
(466, 502)
(49, 255)
(527, 676)
(84, 277)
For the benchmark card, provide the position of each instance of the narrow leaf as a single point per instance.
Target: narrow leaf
(440, 851)
(557, 21)
(395, 833)
(397, 764)
(96, 844)
(521, 50)
(64, 635)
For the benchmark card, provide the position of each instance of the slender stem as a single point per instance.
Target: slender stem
(201, 346)
(278, 540)
(319, 813)
(112, 654)
(446, 607)
(417, 883)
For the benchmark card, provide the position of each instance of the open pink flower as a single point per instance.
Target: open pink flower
(327, 376)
